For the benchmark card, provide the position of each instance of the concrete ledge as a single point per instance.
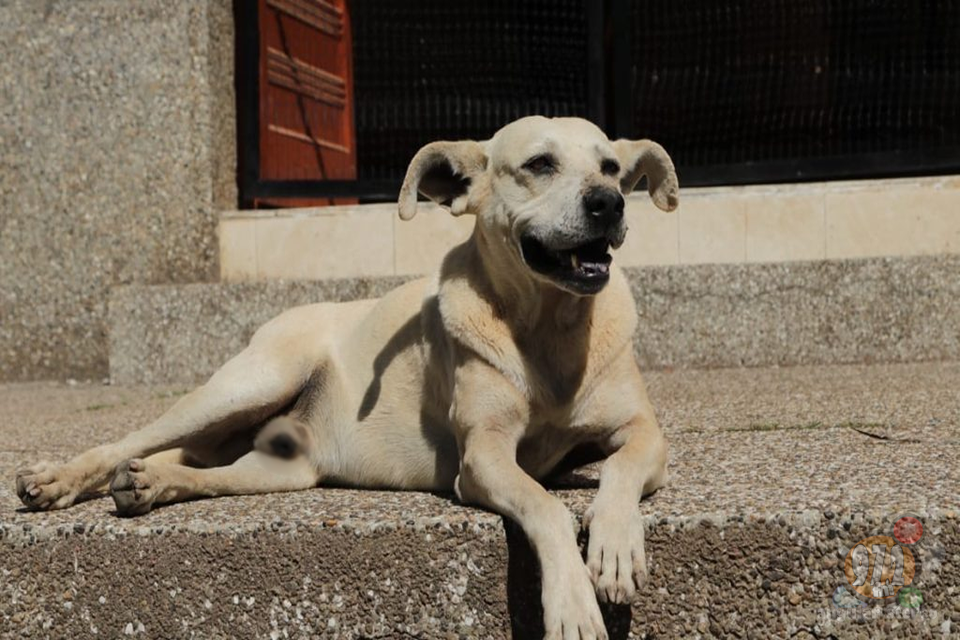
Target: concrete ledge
(172, 333)
(743, 577)
(828, 312)
(714, 225)
(773, 480)
(117, 150)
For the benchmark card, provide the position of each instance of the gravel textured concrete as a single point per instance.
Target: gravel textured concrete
(775, 474)
(165, 334)
(831, 312)
(822, 312)
(116, 151)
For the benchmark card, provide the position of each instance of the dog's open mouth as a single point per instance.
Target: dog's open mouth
(584, 268)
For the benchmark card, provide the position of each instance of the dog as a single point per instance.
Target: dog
(480, 379)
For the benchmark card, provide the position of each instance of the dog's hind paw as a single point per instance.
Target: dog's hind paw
(45, 485)
(133, 488)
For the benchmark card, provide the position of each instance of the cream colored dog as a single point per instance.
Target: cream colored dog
(480, 379)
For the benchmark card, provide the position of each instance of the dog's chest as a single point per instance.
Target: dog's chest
(542, 450)
(555, 369)
(561, 419)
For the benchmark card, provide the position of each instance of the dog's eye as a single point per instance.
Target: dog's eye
(540, 165)
(610, 167)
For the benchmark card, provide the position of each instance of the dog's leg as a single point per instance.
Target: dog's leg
(615, 553)
(490, 415)
(258, 382)
(490, 477)
(139, 484)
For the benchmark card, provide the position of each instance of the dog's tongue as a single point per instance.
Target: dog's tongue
(591, 259)
(588, 268)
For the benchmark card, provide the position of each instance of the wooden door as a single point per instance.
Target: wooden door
(306, 94)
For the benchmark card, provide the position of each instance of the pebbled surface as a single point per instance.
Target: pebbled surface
(773, 479)
(788, 314)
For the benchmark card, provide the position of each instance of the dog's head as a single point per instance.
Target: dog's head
(548, 193)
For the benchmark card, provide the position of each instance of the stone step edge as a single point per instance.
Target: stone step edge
(704, 316)
(22, 533)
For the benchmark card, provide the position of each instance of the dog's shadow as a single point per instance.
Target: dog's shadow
(524, 603)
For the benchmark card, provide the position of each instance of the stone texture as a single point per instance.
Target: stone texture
(186, 332)
(876, 310)
(756, 578)
(771, 484)
(116, 150)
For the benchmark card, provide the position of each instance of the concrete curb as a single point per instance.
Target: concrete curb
(829, 312)
(749, 576)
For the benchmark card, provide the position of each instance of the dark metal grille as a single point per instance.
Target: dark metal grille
(739, 91)
(783, 81)
(429, 70)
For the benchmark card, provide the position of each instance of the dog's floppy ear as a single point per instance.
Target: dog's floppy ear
(442, 171)
(647, 158)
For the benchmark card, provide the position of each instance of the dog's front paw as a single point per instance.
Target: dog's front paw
(46, 485)
(615, 556)
(570, 610)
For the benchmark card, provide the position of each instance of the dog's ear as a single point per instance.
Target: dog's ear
(647, 158)
(442, 171)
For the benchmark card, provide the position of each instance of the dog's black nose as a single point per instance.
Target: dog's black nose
(604, 205)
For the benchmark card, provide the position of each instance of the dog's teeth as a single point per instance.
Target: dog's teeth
(574, 261)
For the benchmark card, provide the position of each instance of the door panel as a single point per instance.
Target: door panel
(306, 94)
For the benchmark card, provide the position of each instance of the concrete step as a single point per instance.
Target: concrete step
(745, 224)
(826, 312)
(776, 473)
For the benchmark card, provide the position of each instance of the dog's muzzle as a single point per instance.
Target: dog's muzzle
(581, 266)
(582, 269)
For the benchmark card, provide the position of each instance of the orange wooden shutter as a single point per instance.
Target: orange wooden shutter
(306, 94)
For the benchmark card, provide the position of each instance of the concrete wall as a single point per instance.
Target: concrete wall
(116, 151)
